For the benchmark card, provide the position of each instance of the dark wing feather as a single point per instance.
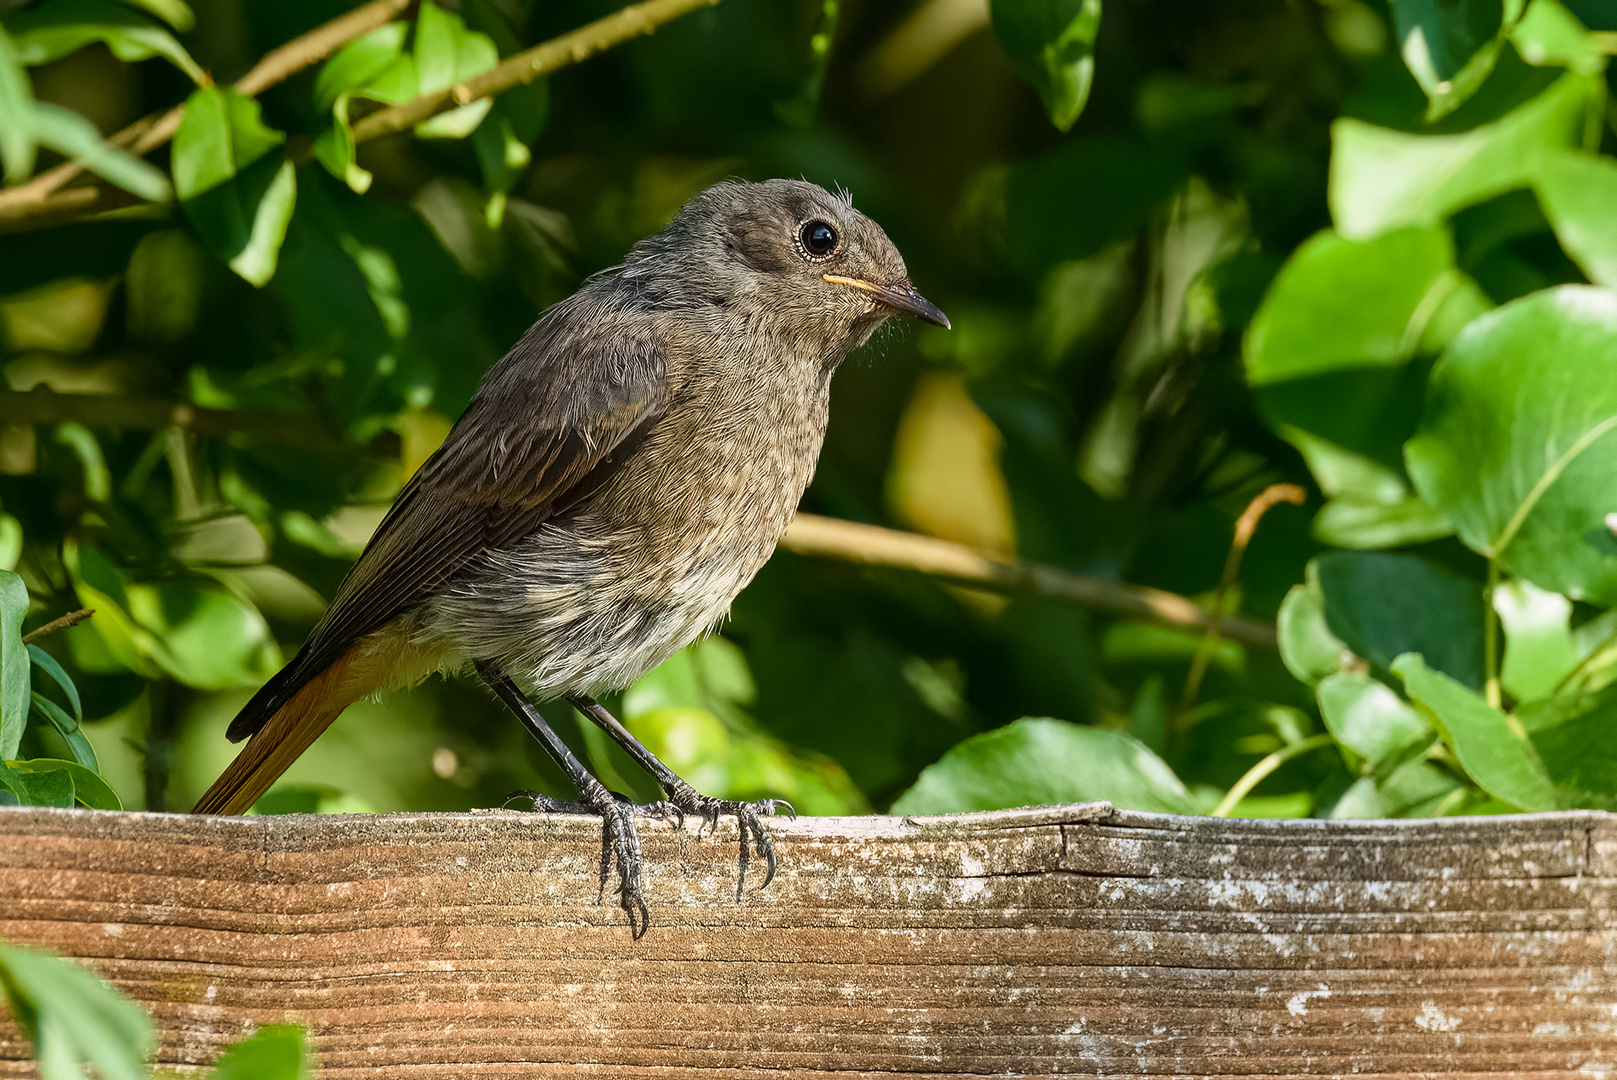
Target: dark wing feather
(551, 421)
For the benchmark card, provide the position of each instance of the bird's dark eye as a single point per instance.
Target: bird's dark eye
(819, 239)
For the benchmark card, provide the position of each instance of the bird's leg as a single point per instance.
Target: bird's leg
(687, 800)
(618, 836)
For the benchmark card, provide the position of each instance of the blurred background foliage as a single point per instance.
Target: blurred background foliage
(1192, 250)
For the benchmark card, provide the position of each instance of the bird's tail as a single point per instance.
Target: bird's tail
(286, 734)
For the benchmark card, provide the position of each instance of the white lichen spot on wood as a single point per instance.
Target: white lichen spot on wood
(1432, 1018)
(1297, 1004)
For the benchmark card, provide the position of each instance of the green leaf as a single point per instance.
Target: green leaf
(1052, 43)
(222, 133)
(358, 63)
(1450, 46)
(17, 142)
(71, 1016)
(1372, 721)
(16, 684)
(335, 149)
(1539, 649)
(1413, 789)
(1378, 297)
(1383, 180)
(78, 743)
(200, 634)
(1491, 747)
(1307, 647)
(44, 787)
(88, 786)
(176, 13)
(447, 53)
(1575, 734)
(256, 261)
(48, 664)
(1578, 193)
(1370, 504)
(1382, 605)
(1516, 444)
(1036, 761)
(1352, 521)
(72, 136)
(52, 30)
(1550, 34)
(273, 1052)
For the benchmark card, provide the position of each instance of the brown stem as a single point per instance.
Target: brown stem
(872, 545)
(41, 201)
(524, 67)
(45, 406)
(1245, 526)
(72, 618)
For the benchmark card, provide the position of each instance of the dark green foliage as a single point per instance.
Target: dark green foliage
(1191, 250)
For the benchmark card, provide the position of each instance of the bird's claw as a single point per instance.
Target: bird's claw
(746, 814)
(620, 842)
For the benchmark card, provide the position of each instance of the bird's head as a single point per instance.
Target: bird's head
(789, 258)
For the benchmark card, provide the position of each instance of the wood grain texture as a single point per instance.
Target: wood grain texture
(1068, 940)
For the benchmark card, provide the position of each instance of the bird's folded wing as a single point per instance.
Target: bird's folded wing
(554, 417)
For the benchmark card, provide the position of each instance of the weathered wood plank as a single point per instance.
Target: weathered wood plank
(1043, 942)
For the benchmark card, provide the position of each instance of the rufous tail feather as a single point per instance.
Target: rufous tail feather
(292, 730)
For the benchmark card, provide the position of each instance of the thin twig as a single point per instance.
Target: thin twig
(44, 406)
(1245, 526)
(42, 202)
(72, 618)
(524, 67)
(873, 545)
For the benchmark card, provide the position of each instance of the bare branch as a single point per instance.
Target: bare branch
(524, 67)
(44, 406)
(42, 202)
(872, 545)
(72, 618)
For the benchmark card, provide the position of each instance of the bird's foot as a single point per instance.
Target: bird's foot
(620, 842)
(687, 800)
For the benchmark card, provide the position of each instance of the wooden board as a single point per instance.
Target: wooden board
(1037, 942)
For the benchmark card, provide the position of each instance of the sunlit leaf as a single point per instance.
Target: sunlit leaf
(1040, 761)
(73, 1017)
(1450, 46)
(1383, 180)
(1052, 43)
(1550, 34)
(17, 142)
(1307, 646)
(52, 30)
(1372, 721)
(1517, 443)
(72, 136)
(1377, 296)
(256, 262)
(176, 13)
(359, 62)
(1492, 747)
(447, 53)
(16, 682)
(273, 1052)
(221, 135)
(1539, 649)
(1413, 789)
(1579, 195)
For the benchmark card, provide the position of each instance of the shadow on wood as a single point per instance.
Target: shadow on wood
(1025, 942)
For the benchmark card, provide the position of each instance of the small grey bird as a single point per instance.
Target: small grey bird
(619, 476)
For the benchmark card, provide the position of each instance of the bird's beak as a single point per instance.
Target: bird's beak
(901, 296)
